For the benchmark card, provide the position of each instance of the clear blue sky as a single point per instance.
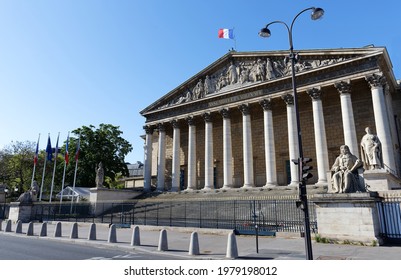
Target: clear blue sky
(65, 64)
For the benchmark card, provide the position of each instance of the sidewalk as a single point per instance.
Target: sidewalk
(212, 243)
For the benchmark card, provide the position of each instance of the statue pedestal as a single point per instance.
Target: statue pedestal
(20, 212)
(348, 217)
(381, 180)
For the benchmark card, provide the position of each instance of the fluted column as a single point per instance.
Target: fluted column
(247, 147)
(383, 131)
(347, 113)
(227, 150)
(161, 166)
(191, 154)
(322, 156)
(270, 151)
(293, 145)
(175, 173)
(208, 151)
(147, 167)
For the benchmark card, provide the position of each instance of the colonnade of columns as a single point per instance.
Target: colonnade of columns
(381, 118)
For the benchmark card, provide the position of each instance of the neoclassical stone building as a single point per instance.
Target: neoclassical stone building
(233, 124)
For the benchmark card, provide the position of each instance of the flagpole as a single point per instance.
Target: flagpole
(54, 169)
(65, 166)
(35, 160)
(43, 177)
(75, 172)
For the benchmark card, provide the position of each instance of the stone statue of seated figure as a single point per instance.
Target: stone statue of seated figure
(346, 171)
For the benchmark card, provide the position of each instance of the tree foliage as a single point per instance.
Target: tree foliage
(105, 145)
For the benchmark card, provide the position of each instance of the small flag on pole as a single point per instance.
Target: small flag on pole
(49, 150)
(225, 33)
(78, 148)
(66, 156)
(35, 159)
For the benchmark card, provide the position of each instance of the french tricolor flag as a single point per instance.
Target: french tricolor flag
(225, 33)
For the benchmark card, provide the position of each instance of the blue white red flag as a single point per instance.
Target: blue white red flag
(66, 158)
(49, 150)
(78, 148)
(225, 33)
(35, 158)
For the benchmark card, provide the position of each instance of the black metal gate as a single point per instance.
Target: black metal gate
(390, 220)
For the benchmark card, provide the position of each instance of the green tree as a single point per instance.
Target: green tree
(103, 144)
(16, 166)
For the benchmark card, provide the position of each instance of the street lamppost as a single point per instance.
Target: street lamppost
(317, 13)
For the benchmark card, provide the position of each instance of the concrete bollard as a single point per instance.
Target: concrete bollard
(112, 234)
(232, 250)
(92, 232)
(74, 231)
(136, 238)
(18, 228)
(8, 226)
(43, 229)
(57, 230)
(29, 231)
(194, 244)
(163, 246)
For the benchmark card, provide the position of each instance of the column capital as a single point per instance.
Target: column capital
(343, 87)
(175, 124)
(288, 98)
(244, 108)
(266, 104)
(190, 121)
(161, 127)
(225, 113)
(207, 117)
(314, 93)
(375, 80)
(148, 129)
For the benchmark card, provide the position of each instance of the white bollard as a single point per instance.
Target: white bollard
(57, 230)
(43, 230)
(29, 231)
(74, 231)
(163, 246)
(18, 228)
(8, 226)
(92, 232)
(232, 250)
(112, 234)
(136, 238)
(194, 244)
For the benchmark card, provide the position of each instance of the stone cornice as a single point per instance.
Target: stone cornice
(261, 89)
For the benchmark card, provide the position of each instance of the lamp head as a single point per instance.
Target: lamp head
(264, 32)
(317, 13)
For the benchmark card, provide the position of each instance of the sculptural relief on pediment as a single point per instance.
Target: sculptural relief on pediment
(240, 73)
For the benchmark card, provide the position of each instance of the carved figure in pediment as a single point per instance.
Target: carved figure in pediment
(259, 71)
(269, 70)
(244, 74)
(208, 85)
(199, 91)
(184, 97)
(232, 73)
(222, 82)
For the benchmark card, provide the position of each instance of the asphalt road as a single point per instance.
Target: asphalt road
(30, 248)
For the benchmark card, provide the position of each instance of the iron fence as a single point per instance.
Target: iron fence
(390, 219)
(243, 216)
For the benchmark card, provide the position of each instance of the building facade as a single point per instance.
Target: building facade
(233, 124)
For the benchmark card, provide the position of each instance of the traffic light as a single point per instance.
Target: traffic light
(306, 168)
(303, 168)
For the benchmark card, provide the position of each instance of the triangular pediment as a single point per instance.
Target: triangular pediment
(237, 71)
